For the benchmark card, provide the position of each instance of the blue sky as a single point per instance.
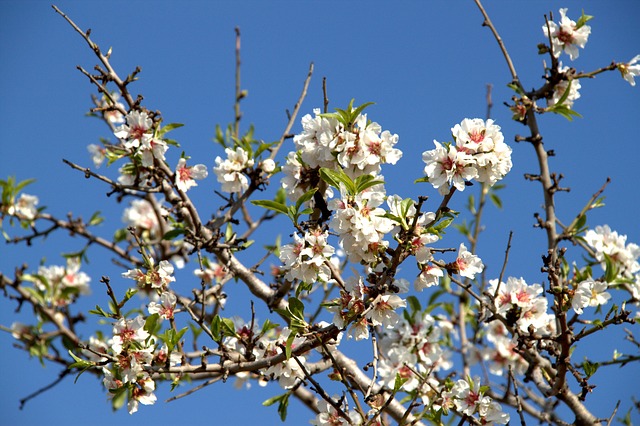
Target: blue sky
(424, 64)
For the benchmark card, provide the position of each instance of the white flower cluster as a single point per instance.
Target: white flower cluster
(522, 304)
(133, 346)
(230, 172)
(609, 244)
(61, 285)
(566, 36)
(354, 301)
(329, 416)
(360, 224)
(306, 259)
(137, 134)
(561, 88)
(479, 153)
(142, 215)
(468, 398)
(413, 346)
(502, 355)
(361, 149)
(157, 277)
(24, 206)
(325, 142)
(287, 372)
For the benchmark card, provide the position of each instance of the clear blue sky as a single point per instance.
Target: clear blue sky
(424, 64)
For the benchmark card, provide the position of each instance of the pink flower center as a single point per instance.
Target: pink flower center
(472, 398)
(405, 372)
(136, 132)
(565, 37)
(375, 148)
(184, 173)
(477, 136)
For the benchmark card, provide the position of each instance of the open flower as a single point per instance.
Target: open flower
(590, 293)
(165, 308)
(567, 35)
(230, 171)
(468, 264)
(186, 175)
(138, 123)
(26, 206)
(630, 70)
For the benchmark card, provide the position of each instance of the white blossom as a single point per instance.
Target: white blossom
(565, 36)
(230, 172)
(630, 70)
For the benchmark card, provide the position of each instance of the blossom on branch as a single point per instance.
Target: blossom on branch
(25, 205)
(560, 90)
(165, 308)
(612, 247)
(468, 264)
(186, 176)
(479, 152)
(630, 70)
(567, 35)
(131, 133)
(230, 172)
(589, 293)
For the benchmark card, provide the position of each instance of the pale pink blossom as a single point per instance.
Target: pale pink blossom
(468, 264)
(25, 206)
(137, 124)
(565, 36)
(590, 293)
(186, 176)
(165, 308)
(127, 331)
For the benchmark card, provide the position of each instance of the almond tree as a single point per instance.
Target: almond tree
(438, 342)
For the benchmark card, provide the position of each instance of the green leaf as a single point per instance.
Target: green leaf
(303, 287)
(496, 200)
(80, 364)
(268, 326)
(560, 108)
(119, 398)
(99, 311)
(128, 295)
(228, 327)
(516, 88)
(296, 310)
(397, 385)
(337, 177)
(365, 182)
(289, 345)
(166, 129)
(120, 235)
(152, 323)
(590, 368)
(272, 205)
(583, 20)
(414, 304)
(611, 271)
(283, 404)
(22, 184)
(422, 179)
(96, 219)
(215, 328)
(304, 198)
(171, 235)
